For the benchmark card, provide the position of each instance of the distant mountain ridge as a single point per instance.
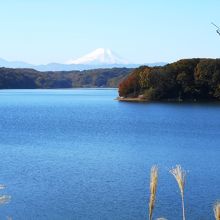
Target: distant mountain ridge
(99, 58)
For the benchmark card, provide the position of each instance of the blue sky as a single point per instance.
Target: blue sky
(142, 31)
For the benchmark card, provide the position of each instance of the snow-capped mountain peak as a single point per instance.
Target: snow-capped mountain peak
(99, 56)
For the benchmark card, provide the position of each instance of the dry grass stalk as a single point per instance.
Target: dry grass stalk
(4, 199)
(216, 209)
(180, 176)
(153, 189)
(2, 186)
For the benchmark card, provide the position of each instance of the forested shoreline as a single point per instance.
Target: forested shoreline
(187, 79)
(33, 79)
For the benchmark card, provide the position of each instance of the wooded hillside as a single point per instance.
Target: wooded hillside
(31, 79)
(189, 79)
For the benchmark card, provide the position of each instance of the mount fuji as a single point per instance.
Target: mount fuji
(99, 58)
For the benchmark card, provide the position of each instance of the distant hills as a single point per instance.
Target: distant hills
(99, 58)
(100, 68)
(33, 79)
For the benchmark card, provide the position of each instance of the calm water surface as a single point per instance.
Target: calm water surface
(78, 154)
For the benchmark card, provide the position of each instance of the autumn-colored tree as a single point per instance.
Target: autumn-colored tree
(189, 79)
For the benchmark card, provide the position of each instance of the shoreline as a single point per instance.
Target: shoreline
(138, 99)
(131, 99)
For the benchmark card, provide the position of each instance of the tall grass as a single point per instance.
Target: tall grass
(216, 210)
(153, 189)
(4, 199)
(180, 176)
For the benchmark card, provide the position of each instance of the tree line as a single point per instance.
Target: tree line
(187, 79)
(32, 79)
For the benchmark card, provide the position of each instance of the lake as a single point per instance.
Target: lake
(79, 154)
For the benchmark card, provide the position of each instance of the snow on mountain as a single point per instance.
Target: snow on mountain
(99, 56)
